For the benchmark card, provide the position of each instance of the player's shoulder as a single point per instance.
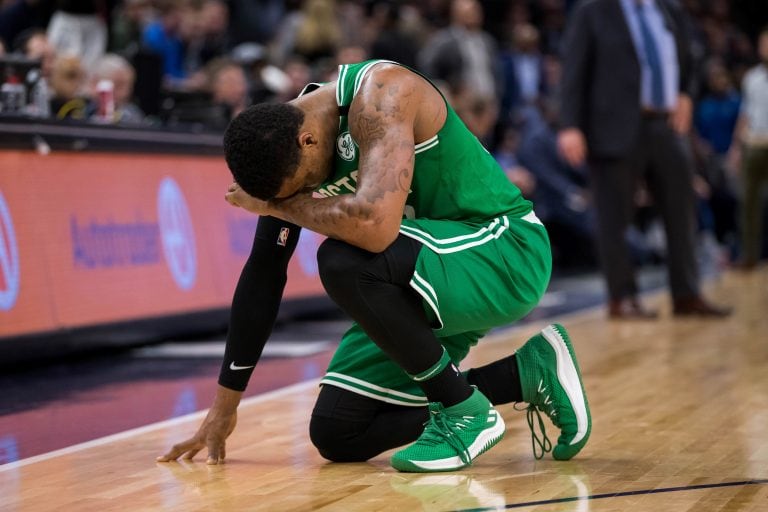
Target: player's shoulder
(384, 72)
(388, 78)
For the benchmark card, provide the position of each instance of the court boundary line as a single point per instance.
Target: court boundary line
(755, 481)
(275, 393)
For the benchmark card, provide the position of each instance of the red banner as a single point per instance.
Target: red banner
(92, 238)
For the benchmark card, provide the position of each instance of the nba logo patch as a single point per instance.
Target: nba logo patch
(282, 238)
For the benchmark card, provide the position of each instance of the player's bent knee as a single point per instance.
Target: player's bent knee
(336, 263)
(333, 441)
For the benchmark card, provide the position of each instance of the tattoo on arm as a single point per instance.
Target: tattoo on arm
(381, 120)
(369, 127)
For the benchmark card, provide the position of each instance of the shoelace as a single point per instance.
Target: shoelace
(543, 442)
(439, 430)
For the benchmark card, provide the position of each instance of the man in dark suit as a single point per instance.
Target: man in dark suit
(627, 82)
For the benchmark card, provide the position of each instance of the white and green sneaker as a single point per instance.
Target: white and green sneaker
(453, 437)
(551, 383)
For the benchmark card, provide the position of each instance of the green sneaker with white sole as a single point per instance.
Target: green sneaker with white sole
(551, 383)
(453, 437)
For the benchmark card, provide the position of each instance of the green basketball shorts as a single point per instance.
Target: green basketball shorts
(471, 277)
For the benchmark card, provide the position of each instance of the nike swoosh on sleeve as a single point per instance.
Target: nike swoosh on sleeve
(233, 366)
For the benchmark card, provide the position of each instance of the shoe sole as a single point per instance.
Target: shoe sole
(569, 376)
(487, 439)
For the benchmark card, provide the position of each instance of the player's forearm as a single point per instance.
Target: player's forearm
(351, 218)
(257, 299)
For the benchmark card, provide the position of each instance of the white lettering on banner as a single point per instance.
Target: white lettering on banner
(10, 276)
(177, 233)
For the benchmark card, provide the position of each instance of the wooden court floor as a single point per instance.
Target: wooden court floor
(680, 411)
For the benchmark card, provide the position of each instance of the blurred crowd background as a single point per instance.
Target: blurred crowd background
(197, 63)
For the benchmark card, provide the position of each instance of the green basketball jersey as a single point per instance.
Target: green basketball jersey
(455, 178)
(485, 260)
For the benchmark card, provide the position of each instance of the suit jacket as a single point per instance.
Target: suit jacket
(601, 73)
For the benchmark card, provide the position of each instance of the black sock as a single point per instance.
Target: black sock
(499, 381)
(443, 382)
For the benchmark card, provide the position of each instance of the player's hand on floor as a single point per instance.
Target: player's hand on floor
(212, 434)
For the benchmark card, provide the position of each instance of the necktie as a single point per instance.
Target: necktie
(653, 58)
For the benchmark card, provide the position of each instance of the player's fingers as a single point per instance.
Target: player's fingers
(177, 450)
(215, 451)
(191, 453)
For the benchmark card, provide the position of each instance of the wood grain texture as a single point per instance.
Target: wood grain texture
(675, 403)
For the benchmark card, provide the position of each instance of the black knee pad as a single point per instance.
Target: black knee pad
(338, 264)
(336, 440)
(341, 264)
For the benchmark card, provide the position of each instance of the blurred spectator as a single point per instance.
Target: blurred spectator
(506, 156)
(718, 109)
(210, 39)
(16, 16)
(119, 71)
(392, 41)
(266, 82)
(627, 79)
(255, 20)
(463, 55)
(715, 121)
(552, 25)
(162, 36)
(527, 63)
(68, 79)
(753, 133)
(79, 27)
(193, 34)
(128, 21)
(479, 114)
(561, 195)
(549, 100)
(33, 44)
(228, 85)
(313, 32)
(523, 70)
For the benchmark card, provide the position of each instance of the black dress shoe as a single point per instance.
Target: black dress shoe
(630, 309)
(697, 306)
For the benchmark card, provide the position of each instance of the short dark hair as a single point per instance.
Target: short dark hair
(261, 147)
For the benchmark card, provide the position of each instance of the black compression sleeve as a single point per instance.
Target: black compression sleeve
(257, 299)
